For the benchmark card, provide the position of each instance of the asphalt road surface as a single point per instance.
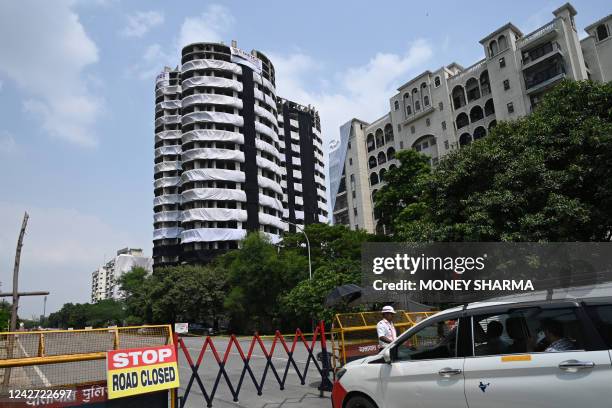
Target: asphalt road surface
(294, 395)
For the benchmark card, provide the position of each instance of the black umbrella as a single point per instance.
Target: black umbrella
(345, 293)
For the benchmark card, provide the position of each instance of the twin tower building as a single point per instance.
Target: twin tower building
(230, 156)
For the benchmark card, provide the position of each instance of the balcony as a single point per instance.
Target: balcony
(547, 31)
(543, 80)
(540, 54)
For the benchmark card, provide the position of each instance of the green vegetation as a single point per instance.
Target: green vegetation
(80, 315)
(5, 315)
(545, 177)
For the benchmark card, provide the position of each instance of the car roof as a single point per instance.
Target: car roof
(497, 305)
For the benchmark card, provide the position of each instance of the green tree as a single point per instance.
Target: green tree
(189, 293)
(401, 196)
(102, 314)
(307, 300)
(5, 315)
(136, 287)
(256, 276)
(336, 254)
(545, 177)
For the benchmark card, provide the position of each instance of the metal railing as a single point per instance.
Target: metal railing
(55, 358)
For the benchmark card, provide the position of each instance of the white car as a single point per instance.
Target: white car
(545, 354)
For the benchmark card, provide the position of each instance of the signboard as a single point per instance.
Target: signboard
(246, 59)
(141, 370)
(181, 328)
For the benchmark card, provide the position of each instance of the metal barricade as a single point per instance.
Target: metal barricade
(353, 335)
(256, 344)
(68, 358)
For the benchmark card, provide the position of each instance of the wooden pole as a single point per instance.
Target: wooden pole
(15, 307)
(16, 273)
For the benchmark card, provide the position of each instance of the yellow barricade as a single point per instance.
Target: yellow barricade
(354, 335)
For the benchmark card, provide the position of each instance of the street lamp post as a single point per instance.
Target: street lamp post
(309, 261)
(307, 247)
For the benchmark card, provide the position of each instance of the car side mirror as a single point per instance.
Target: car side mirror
(387, 355)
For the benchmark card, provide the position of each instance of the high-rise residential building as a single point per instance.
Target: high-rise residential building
(105, 279)
(230, 156)
(450, 107)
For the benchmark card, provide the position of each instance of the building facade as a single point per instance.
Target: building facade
(230, 156)
(442, 110)
(105, 279)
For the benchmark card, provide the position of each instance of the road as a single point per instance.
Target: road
(294, 395)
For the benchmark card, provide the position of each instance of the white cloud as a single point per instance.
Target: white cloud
(211, 26)
(61, 248)
(152, 62)
(7, 142)
(47, 64)
(362, 91)
(139, 23)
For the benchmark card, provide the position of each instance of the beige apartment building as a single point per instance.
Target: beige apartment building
(442, 110)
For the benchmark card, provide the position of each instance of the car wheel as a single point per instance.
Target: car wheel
(359, 402)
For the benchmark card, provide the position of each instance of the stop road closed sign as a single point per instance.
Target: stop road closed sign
(141, 370)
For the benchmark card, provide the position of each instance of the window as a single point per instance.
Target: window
(354, 194)
(427, 122)
(443, 125)
(446, 145)
(399, 128)
(412, 130)
(602, 317)
(396, 105)
(528, 330)
(437, 81)
(502, 62)
(506, 84)
(350, 161)
(425, 145)
(372, 162)
(510, 106)
(493, 48)
(349, 145)
(355, 211)
(417, 106)
(408, 110)
(426, 100)
(435, 341)
(502, 42)
(602, 32)
(441, 106)
(401, 145)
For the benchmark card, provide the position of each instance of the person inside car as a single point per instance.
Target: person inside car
(553, 330)
(518, 331)
(495, 344)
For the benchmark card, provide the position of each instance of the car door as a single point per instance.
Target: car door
(528, 365)
(600, 313)
(426, 371)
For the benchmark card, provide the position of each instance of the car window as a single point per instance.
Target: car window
(436, 340)
(530, 330)
(602, 317)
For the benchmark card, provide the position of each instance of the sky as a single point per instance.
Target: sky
(77, 101)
